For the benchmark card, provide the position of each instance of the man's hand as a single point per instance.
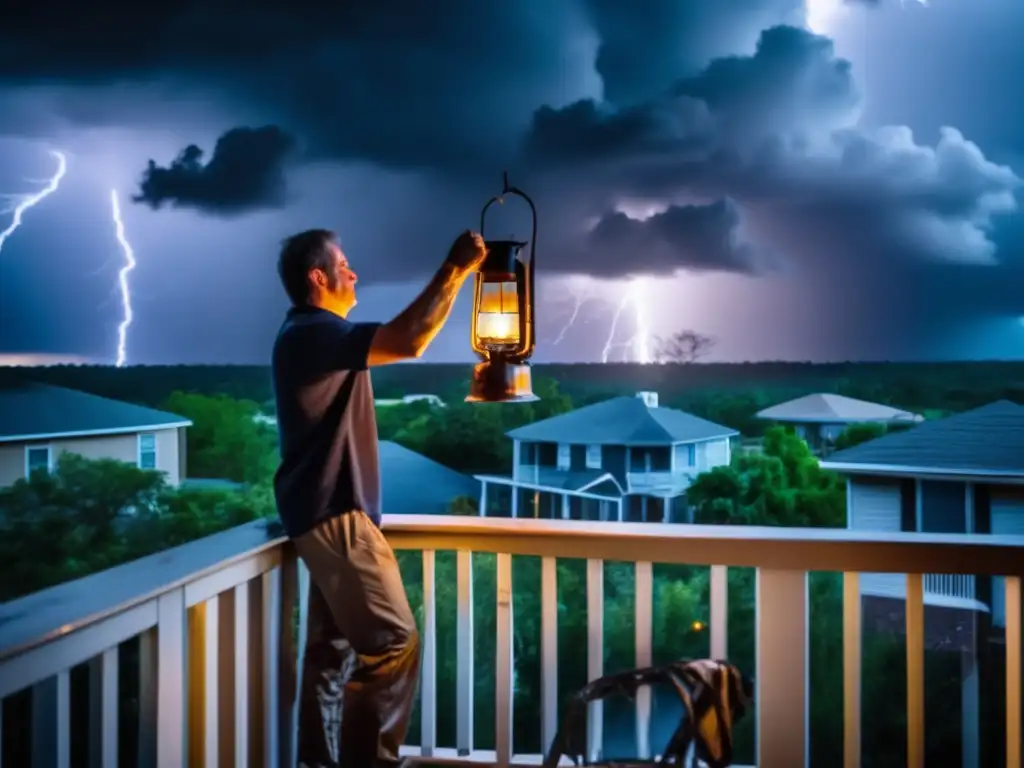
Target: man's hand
(467, 252)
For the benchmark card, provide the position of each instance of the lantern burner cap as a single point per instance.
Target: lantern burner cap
(499, 381)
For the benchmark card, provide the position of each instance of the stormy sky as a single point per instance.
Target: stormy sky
(800, 179)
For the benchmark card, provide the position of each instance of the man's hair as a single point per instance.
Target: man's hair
(302, 253)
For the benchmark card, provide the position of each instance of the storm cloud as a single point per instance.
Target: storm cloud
(246, 172)
(694, 136)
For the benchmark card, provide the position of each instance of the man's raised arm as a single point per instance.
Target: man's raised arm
(409, 334)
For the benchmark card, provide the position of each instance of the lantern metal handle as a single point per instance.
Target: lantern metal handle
(500, 199)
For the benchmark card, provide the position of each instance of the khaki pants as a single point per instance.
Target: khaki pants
(362, 649)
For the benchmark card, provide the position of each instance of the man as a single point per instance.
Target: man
(362, 651)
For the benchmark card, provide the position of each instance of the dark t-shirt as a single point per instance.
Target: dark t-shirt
(325, 418)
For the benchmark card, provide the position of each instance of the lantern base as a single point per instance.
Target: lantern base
(499, 381)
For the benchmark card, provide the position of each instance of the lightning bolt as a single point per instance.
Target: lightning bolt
(635, 297)
(22, 203)
(122, 278)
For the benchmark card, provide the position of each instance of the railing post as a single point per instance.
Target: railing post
(428, 677)
(171, 705)
(642, 629)
(852, 654)
(782, 669)
(103, 701)
(288, 665)
(504, 665)
(51, 722)
(915, 670)
(719, 618)
(1013, 671)
(595, 655)
(464, 653)
(549, 651)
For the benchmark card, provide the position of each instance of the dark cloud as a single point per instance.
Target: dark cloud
(245, 172)
(642, 54)
(698, 238)
(776, 131)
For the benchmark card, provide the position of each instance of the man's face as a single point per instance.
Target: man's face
(338, 288)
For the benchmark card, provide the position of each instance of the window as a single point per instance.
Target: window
(563, 456)
(593, 457)
(147, 450)
(37, 458)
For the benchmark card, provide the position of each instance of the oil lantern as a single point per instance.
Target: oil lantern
(502, 332)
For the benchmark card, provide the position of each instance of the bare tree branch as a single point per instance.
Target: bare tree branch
(684, 346)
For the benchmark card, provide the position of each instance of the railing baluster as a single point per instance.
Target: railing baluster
(852, 639)
(148, 663)
(643, 626)
(1013, 671)
(781, 669)
(464, 653)
(270, 663)
(241, 640)
(915, 670)
(51, 721)
(171, 708)
(303, 583)
(211, 681)
(549, 651)
(504, 665)
(595, 655)
(103, 724)
(224, 653)
(201, 690)
(428, 677)
(288, 664)
(719, 609)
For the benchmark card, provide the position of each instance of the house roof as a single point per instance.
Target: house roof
(412, 484)
(832, 409)
(986, 441)
(30, 411)
(622, 421)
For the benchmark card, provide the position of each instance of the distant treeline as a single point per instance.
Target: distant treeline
(730, 392)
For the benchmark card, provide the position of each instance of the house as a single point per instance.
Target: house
(961, 474)
(38, 422)
(620, 459)
(820, 418)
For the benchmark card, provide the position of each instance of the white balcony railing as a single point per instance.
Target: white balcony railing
(952, 590)
(217, 659)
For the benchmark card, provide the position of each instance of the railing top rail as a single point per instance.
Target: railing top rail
(51, 613)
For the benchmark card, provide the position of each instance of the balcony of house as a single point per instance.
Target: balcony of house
(189, 657)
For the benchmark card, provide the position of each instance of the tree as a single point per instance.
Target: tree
(226, 440)
(684, 346)
(855, 434)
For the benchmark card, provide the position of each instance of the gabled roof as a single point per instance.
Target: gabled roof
(412, 484)
(986, 441)
(832, 409)
(31, 411)
(622, 421)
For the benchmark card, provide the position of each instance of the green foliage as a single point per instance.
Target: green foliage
(781, 485)
(89, 515)
(464, 506)
(225, 439)
(855, 434)
(468, 437)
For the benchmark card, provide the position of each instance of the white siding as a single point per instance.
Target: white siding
(1007, 517)
(717, 453)
(874, 505)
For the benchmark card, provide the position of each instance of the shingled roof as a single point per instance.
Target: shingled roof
(622, 421)
(986, 441)
(832, 409)
(412, 484)
(30, 411)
